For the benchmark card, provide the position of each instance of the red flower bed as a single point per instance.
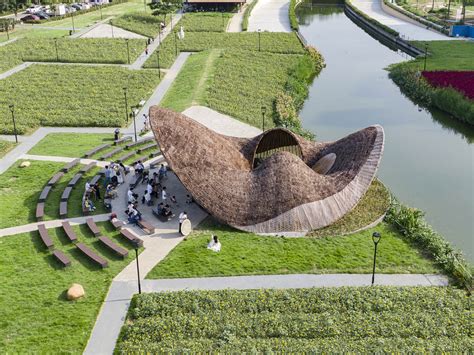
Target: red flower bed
(462, 81)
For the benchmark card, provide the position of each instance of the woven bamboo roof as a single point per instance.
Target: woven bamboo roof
(281, 194)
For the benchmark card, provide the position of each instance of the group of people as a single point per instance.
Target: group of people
(115, 174)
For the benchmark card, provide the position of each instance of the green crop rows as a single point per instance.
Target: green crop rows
(71, 95)
(144, 24)
(205, 22)
(284, 43)
(81, 50)
(371, 319)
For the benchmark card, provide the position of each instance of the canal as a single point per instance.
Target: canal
(428, 160)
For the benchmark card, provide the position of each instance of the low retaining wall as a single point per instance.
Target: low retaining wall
(382, 35)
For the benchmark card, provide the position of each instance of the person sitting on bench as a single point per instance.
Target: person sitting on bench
(134, 217)
(167, 212)
(159, 209)
(139, 168)
(88, 205)
(110, 192)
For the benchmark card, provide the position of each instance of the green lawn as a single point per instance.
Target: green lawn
(20, 189)
(446, 55)
(73, 145)
(250, 254)
(294, 321)
(5, 147)
(205, 21)
(35, 317)
(71, 95)
(145, 24)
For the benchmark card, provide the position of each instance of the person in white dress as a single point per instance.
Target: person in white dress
(214, 244)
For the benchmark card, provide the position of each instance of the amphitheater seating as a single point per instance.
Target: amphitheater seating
(111, 153)
(91, 255)
(130, 237)
(114, 247)
(117, 223)
(148, 146)
(126, 156)
(75, 179)
(122, 140)
(141, 141)
(66, 193)
(70, 165)
(155, 154)
(97, 150)
(69, 232)
(61, 257)
(43, 232)
(55, 178)
(44, 193)
(146, 226)
(63, 209)
(95, 179)
(93, 227)
(142, 159)
(40, 211)
(87, 167)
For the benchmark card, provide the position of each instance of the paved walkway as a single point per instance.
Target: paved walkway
(114, 310)
(221, 123)
(235, 23)
(51, 224)
(270, 15)
(8, 42)
(409, 31)
(85, 30)
(105, 30)
(160, 91)
(14, 70)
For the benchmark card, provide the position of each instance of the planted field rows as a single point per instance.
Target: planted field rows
(344, 319)
(71, 96)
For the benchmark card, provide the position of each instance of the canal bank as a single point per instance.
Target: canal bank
(428, 160)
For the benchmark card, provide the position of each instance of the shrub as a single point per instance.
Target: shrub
(292, 14)
(411, 224)
(248, 11)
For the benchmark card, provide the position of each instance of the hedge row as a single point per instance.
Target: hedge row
(292, 14)
(318, 319)
(417, 88)
(411, 224)
(371, 20)
(248, 11)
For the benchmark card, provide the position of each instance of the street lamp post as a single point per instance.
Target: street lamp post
(176, 44)
(7, 28)
(264, 110)
(426, 54)
(100, 8)
(223, 19)
(376, 239)
(126, 103)
(171, 21)
(135, 112)
(128, 51)
(56, 45)
(144, 4)
(259, 39)
(112, 28)
(138, 268)
(158, 62)
(12, 109)
(72, 19)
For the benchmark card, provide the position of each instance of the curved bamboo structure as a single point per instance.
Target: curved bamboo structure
(269, 183)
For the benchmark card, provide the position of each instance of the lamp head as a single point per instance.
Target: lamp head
(11, 106)
(264, 109)
(376, 237)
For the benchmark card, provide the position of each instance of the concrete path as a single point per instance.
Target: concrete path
(86, 30)
(235, 23)
(114, 310)
(270, 15)
(160, 91)
(51, 224)
(221, 123)
(15, 70)
(99, 163)
(105, 30)
(138, 64)
(409, 31)
(28, 142)
(8, 42)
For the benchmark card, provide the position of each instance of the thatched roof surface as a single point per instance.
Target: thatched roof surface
(282, 194)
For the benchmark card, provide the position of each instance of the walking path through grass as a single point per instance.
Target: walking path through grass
(114, 310)
(235, 23)
(270, 15)
(407, 30)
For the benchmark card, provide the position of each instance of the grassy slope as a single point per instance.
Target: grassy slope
(71, 95)
(318, 320)
(70, 144)
(34, 315)
(145, 24)
(446, 55)
(5, 147)
(249, 254)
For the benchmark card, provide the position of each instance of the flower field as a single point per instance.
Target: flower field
(71, 95)
(369, 319)
(462, 81)
(80, 50)
(283, 43)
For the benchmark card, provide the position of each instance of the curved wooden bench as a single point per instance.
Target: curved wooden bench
(95, 179)
(44, 193)
(93, 227)
(66, 193)
(75, 179)
(69, 231)
(122, 140)
(154, 154)
(63, 209)
(117, 223)
(141, 141)
(111, 153)
(61, 257)
(40, 211)
(148, 146)
(43, 232)
(87, 167)
(55, 178)
(91, 255)
(146, 226)
(130, 237)
(97, 150)
(126, 156)
(114, 247)
(70, 165)
(142, 159)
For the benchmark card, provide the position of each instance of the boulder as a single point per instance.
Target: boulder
(75, 291)
(25, 164)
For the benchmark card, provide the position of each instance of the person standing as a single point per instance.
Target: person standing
(182, 217)
(163, 194)
(116, 134)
